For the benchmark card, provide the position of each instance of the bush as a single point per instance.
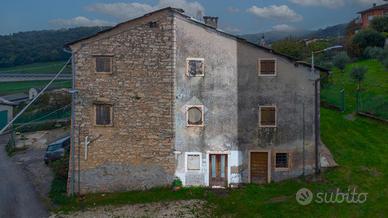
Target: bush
(368, 38)
(375, 53)
(341, 60)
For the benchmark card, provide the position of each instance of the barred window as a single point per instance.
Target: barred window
(281, 160)
(103, 114)
(195, 115)
(103, 64)
(267, 67)
(195, 67)
(267, 116)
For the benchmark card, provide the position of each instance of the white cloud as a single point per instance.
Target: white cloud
(324, 3)
(79, 21)
(283, 28)
(125, 11)
(121, 10)
(281, 12)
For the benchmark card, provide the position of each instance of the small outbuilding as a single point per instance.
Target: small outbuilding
(6, 111)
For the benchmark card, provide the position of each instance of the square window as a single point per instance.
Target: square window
(281, 160)
(267, 116)
(103, 64)
(193, 162)
(195, 67)
(267, 67)
(103, 114)
(195, 115)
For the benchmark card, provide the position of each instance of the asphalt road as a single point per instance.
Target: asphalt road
(18, 198)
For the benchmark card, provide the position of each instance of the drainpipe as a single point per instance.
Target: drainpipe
(72, 133)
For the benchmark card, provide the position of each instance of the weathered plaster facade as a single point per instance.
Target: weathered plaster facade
(149, 141)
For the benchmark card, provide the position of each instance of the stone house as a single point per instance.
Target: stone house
(165, 96)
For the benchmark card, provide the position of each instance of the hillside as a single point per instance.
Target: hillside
(271, 36)
(39, 46)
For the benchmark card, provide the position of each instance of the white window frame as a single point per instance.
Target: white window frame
(187, 115)
(267, 59)
(200, 162)
(276, 116)
(288, 161)
(195, 59)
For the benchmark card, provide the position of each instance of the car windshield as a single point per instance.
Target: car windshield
(54, 147)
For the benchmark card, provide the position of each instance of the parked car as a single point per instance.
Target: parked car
(57, 149)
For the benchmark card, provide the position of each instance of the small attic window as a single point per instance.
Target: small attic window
(153, 24)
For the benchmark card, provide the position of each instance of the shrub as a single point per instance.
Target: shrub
(341, 60)
(374, 53)
(358, 74)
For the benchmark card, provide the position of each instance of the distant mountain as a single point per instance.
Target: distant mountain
(39, 46)
(272, 36)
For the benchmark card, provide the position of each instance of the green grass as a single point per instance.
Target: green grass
(44, 67)
(24, 86)
(374, 96)
(359, 147)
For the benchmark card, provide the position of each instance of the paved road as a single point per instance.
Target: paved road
(12, 77)
(18, 198)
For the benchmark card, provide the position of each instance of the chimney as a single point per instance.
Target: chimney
(211, 21)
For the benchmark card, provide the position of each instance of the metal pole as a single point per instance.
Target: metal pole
(73, 96)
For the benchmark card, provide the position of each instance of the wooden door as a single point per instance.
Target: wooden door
(218, 170)
(259, 167)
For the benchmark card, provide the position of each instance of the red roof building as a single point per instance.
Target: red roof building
(375, 11)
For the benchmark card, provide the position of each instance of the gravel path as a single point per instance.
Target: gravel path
(18, 197)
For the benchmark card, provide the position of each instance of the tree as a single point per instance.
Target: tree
(358, 75)
(368, 38)
(341, 60)
(289, 46)
(380, 24)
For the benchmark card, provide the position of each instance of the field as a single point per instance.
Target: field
(46, 67)
(359, 146)
(374, 89)
(24, 86)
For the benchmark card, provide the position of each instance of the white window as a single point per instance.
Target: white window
(193, 161)
(267, 67)
(194, 115)
(267, 116)
(195, 67)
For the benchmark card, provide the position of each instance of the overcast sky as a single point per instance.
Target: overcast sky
(236, 16)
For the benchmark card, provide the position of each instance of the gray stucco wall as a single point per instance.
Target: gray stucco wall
(290, 90)
(216, 91)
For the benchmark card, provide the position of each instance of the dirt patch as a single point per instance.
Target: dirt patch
(189, 208)
(31, 158)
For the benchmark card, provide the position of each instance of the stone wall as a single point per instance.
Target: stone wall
(136, 152)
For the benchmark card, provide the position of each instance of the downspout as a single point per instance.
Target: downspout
(317, 122)
(72, 133)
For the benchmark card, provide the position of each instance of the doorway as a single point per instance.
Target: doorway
(218, 170)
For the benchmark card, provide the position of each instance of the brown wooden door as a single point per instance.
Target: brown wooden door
(259, 167)
(218, 170)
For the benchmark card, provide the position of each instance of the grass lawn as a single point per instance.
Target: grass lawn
(374, 96)
(360, 147)
(44, 67)
(24, 86)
